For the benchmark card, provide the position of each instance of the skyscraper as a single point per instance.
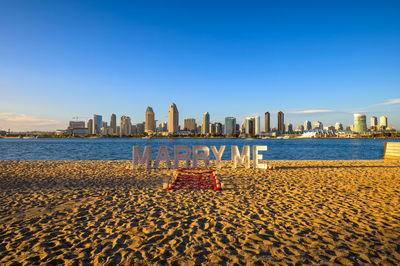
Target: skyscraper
(307, 125)
(125, 126)
(173, 119)
(205, 127)
(281, 122)
(374, 122)
(267, 122)
(250, 126)
(150, 123)
(317, 125)
(338, 126)
(113, 124)
(189, 124)
(97, 124)
(257, 129)
(360, 123)
(230, 125)
(90, 126)
(383, 122)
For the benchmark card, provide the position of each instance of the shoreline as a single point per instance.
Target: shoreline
(311, 212)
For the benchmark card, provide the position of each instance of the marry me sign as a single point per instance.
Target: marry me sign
(197, 153)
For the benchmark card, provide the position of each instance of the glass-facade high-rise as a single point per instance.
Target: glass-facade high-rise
(383, 122)
(97, 124)
(205, 127)
(113, 124)
(360, 123)
(230, 126)
(307, 125)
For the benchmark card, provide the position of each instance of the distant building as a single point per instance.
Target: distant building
(257, 125)
(307, 125)
(338, 127)
(97, 124)
(198, 129)
(76, 124)
(218, 128)
(150, 123)
(90, 126)
(267, 122)
(360, 123)
(211, 129)
(300, 128)
(383, 122)
(113, 124)
(281, 122)
(205, 127)
(230, 126)
(162, 127)
(250, 126)
(173, 119)
(125, 126)
(289, 128)
(317, 125)
(189, 124)
(140, 128)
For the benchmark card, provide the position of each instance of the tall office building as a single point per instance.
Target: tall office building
(97, 124)
(173, 119)
(374, 121)
(125, 126)
(317, 125)
(230, 126)
(360, 123)
(162, 127)
(383, 122)
(76, 124)
(289, 128)
(307, 125)
(338, 126)
(205, 127)
(113, 124)
(281, 122)
(90, 126)
(267, 122)
(257, 125)
(250, 126)
(150, 123)
(140, 128)
(218, 128)
(189, 124)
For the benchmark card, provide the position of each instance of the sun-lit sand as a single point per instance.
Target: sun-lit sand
(313, 212)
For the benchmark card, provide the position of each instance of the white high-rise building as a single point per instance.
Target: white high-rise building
(173, 119)
(257, 129)
(383, 122)
(125, 126)
(205, 127)
(360, 123)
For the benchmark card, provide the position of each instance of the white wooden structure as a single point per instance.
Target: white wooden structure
(391, 150)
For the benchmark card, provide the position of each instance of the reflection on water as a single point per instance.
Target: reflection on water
(121, 148)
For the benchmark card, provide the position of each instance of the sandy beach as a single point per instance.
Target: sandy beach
(312, 212)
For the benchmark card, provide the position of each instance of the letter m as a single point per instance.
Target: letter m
(139, 159)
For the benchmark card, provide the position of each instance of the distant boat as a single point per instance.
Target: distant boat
(28, 137)
(147, 137)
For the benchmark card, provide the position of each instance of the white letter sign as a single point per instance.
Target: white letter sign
(257, 157)
(197, 156)
(218, 154)
(178, 156)
(162, 155)
(244, 158)
(138, 158)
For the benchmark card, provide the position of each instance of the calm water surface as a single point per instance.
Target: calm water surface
(121, 148)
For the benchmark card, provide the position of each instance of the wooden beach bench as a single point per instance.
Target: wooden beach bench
(391, 150)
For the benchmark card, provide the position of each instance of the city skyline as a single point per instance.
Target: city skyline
(313, 61)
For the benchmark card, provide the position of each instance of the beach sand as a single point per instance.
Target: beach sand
(312, 212)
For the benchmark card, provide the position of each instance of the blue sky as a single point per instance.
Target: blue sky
(314, 60)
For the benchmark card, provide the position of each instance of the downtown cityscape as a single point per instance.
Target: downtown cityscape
(250, 127)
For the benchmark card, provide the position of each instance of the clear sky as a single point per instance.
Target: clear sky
(314, 60)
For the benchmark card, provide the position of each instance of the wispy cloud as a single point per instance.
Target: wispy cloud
(22, 121)
(389, 102)
(310, 111)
